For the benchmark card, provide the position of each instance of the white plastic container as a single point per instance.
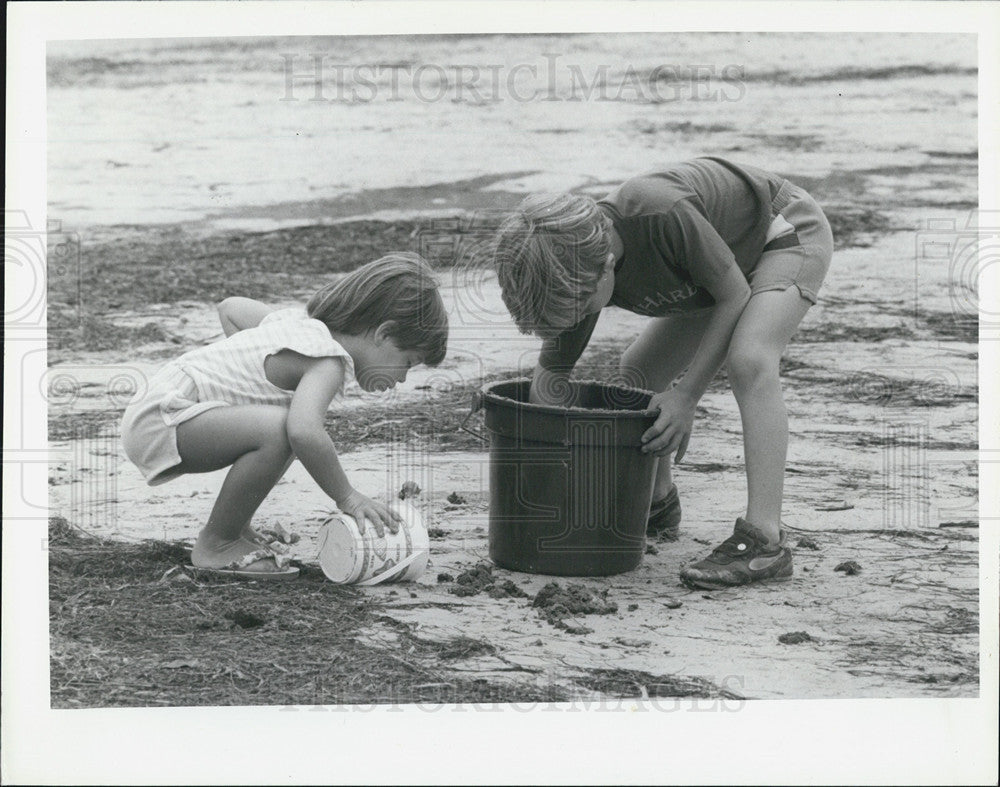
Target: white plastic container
(348, 557)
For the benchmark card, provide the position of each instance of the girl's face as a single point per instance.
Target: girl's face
(381, 364)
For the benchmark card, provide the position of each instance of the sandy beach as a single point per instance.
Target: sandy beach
(227, 179)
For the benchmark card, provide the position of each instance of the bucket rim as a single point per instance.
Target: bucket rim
(549, 409)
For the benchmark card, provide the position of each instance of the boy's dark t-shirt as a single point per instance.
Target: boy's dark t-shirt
(682, 228)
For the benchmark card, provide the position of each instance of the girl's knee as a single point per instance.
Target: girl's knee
(274, 431)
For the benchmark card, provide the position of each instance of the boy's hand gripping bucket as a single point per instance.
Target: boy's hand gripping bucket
(569, 487)
(348, 556)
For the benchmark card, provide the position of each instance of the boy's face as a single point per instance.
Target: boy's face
(605, 288)
(593, 304)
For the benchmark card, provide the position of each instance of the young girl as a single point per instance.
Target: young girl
(256, 400)
(726, 259)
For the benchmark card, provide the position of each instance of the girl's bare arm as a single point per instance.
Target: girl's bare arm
(307, 435)
(237, 314)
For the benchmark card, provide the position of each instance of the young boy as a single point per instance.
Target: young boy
(726, 259)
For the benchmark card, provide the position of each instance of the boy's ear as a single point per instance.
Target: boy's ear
(385, 331)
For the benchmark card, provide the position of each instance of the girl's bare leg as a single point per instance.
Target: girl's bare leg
(768, 322)
(656, 358)
(252, 441)
(250, 532)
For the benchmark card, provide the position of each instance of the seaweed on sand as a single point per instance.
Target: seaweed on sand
(131, 627)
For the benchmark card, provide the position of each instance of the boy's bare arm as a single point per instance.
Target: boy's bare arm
(551, 388)
(731, 297)
(672, 429)
(237, 314)
(550, 383)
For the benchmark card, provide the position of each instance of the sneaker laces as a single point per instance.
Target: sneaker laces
(731, 546)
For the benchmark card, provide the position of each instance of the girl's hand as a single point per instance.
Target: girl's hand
(361, 508)
(672, 429)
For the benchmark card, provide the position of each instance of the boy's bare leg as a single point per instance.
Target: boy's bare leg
(656, 358)
(768, 322)
(252, 441)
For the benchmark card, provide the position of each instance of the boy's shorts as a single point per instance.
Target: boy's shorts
(149, 427)
(800, 246)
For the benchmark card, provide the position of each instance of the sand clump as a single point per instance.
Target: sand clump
(409, 489)
(474, 580)
(479, 579)
(795, 638)
(557, 604)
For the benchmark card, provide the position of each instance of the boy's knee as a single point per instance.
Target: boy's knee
(748, 366)
(631, 373)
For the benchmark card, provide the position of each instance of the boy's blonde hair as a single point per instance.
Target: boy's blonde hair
(399, 288)
(549, 256)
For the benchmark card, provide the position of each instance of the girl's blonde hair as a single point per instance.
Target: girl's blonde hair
(398, 288)
(549, 256)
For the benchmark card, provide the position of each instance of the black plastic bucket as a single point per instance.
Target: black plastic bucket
(569, 488)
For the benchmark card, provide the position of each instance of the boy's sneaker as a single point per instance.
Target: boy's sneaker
(665, 517)
(742, 558)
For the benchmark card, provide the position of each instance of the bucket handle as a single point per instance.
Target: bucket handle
(395, 571)
(475, 406)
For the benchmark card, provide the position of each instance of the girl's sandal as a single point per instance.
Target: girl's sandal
(239, 568)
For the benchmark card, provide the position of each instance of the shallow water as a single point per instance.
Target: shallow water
(165, 130)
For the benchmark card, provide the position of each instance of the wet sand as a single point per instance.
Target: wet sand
(883, 453)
